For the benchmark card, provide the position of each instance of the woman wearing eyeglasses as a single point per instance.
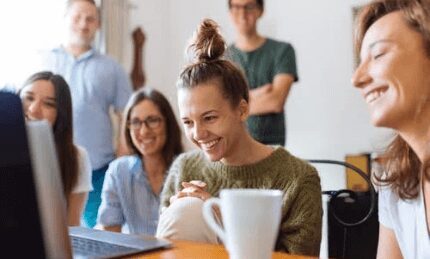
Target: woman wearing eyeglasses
(270, 69)
(131, 190)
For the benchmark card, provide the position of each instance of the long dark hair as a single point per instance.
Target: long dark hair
(62, 128)
(207, 50)
(173, 145)
(402, 165)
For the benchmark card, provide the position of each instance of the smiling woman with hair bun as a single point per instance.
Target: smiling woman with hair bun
(213, 106)
(208, 44)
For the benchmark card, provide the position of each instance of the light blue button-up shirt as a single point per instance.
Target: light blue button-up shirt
(127, 197)
(96, 82)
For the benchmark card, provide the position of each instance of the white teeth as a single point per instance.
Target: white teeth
(209, 145)
(147, 141)
(373, 96)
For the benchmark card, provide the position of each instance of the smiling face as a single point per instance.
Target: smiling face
(394, 73)
(244, 15)
(82, 22)
(209, 120)
(39, 102)
(147, 140)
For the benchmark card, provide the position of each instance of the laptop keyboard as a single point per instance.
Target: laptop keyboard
(94, 248)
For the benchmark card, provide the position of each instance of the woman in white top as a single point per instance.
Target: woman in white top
(393, 38)
(46, 96)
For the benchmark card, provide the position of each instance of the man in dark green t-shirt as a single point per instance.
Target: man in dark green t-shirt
(270, 68)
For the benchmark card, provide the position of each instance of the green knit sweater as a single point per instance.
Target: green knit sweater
(300, 230)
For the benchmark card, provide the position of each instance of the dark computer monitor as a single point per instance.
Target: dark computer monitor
(32, 204)
(20, 220)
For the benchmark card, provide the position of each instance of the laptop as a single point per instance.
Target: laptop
(32, 204)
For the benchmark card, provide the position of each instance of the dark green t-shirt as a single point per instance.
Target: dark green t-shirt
(260, 67)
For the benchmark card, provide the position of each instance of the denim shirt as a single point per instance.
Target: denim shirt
(127, 197)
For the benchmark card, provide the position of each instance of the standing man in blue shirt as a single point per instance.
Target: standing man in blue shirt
(97, 83)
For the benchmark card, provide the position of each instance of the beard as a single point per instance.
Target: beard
(80, 41)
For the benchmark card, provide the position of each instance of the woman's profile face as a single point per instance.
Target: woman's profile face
(394, 73)
(147, 128)
(39, 102)
(209, 120)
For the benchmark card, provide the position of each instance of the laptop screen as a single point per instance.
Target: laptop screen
(20, 220)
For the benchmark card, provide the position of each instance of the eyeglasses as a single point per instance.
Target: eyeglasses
(151, 122)
(247, 7)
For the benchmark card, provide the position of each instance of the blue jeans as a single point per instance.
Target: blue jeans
(89, 218)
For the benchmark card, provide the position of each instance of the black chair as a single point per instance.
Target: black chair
(353, 226)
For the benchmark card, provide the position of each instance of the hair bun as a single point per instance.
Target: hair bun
(207, 43)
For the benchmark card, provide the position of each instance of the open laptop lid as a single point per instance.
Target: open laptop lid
(31, 201)
(50, 197)
(20, 222)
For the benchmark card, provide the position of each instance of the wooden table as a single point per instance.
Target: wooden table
(194, 250)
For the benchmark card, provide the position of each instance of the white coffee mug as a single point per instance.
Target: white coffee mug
(251, 219)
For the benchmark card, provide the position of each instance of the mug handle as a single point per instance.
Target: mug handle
(209, 217)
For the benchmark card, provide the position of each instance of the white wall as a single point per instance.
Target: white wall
(24, 32)
(326, 116)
